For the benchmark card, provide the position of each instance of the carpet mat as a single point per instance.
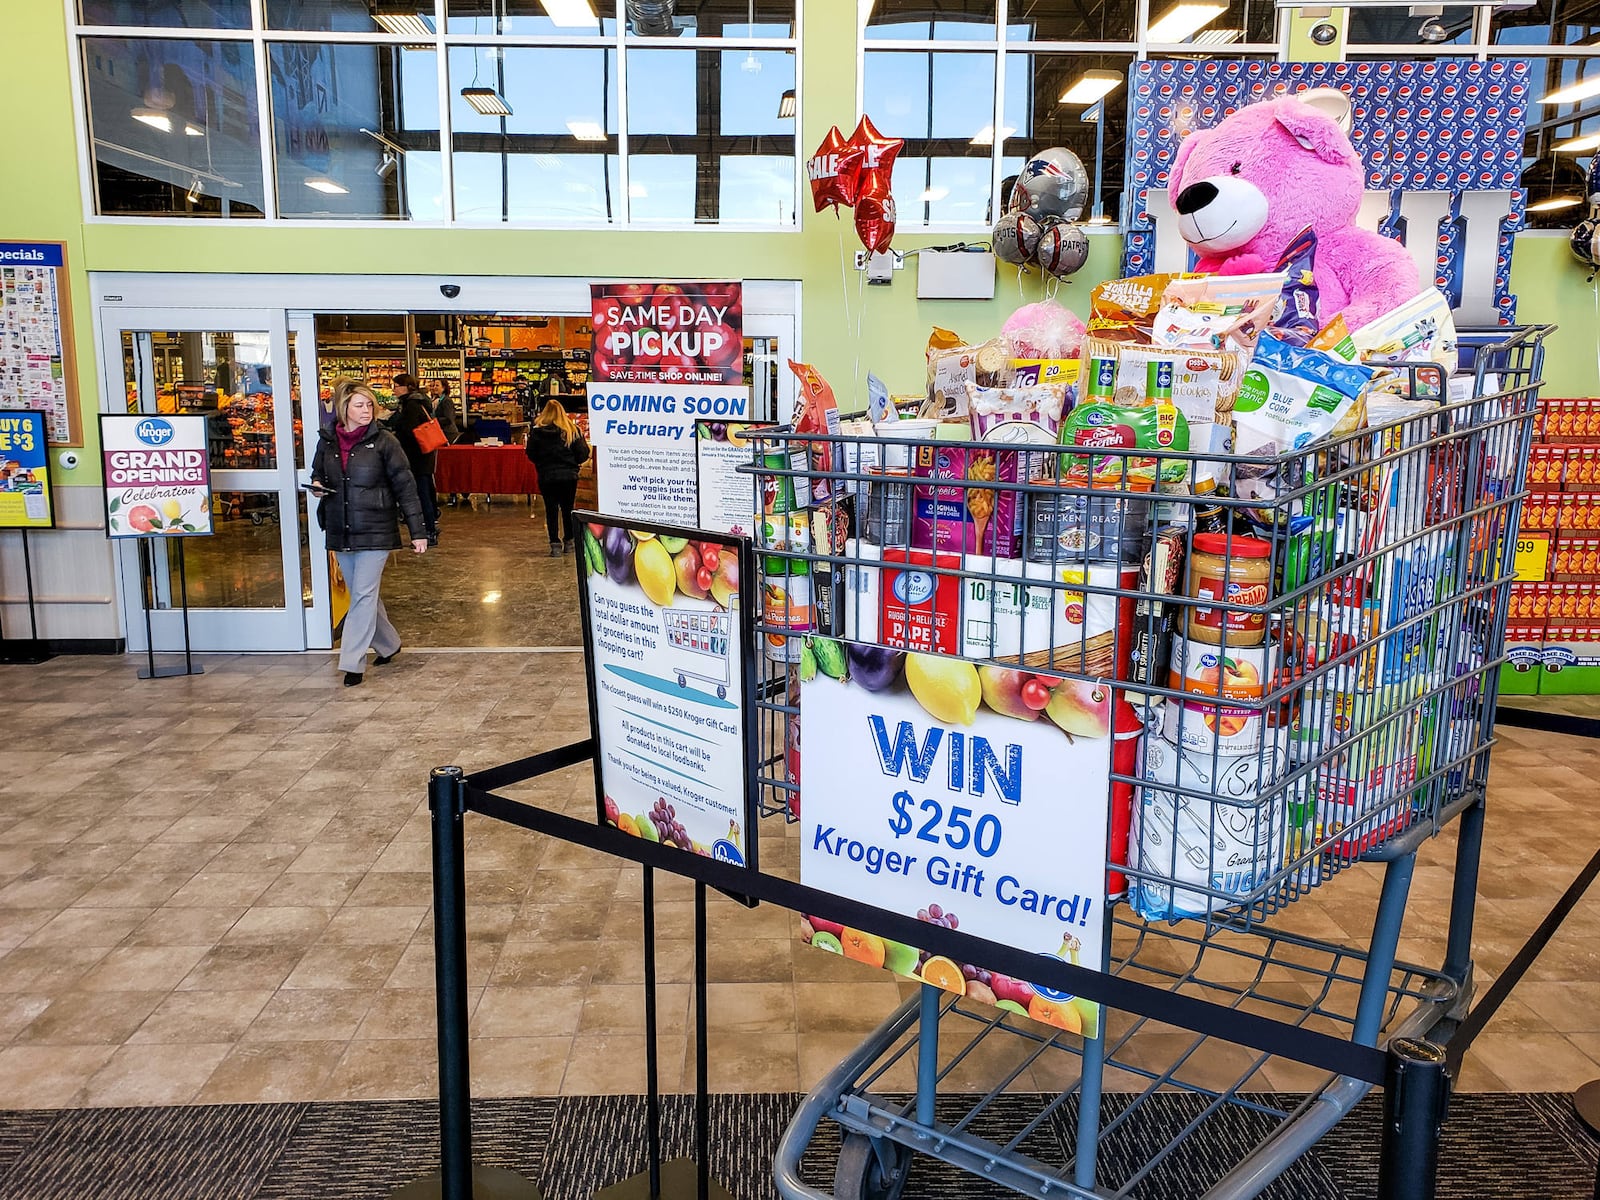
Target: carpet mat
(1531, 1146)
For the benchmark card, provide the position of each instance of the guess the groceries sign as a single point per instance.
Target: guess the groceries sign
(158, 479)
(665, 355)
(972, 797)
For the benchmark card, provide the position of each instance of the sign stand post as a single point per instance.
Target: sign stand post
(147, 571)
(32, 651)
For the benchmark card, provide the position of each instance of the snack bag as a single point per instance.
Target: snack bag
(1152, 427)
(951, 369)
(1334, 337)
(879, 409)
(1422, 329)
(1294, 319)
(818, 415)
(1123, 310)
(1216, 312)
(1204, 384)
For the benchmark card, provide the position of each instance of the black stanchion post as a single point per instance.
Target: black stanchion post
(1415, 1097)
(457, 1178)
(31, 652)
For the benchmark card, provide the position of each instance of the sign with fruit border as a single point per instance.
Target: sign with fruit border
(727, 498)
(686, 331)
(27, 497)
(157, 475)
(667, 634)
(973, 797)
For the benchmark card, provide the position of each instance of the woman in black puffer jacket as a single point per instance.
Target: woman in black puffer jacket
(361, 473)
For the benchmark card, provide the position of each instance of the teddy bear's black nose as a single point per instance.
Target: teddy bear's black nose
(1195, 197)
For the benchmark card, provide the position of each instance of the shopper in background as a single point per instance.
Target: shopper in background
(414, 410)
(362, 475)
(557, 449)
(444, 410)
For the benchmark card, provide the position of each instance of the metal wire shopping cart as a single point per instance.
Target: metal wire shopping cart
(1337, 708)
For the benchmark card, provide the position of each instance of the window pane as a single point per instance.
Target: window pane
(712, 18)
(528, 17)
(1411, 27)
(353, 16)
(706, 141)
(1052, 21)
(174, 127)
(1553, 176)
(154, 14)
(958, 20)
(554, 158)
(1547, 23)
(327, 102)
(943, 105)
(1091, 124)
(1254, 21)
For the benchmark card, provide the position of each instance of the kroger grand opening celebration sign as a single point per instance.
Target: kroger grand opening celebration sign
(25, 498)
(973, 797)
(665, 356)
(157, 476)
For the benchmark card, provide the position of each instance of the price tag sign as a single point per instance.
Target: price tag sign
(975, 800)
(1532, 562)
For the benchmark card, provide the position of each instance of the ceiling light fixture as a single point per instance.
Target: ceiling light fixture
(408, 23)
(194, 194)
(321, 183)
(154, 118)
(569, 14)
(1581, 90)
(487, 101)
(193, 130)
(1216, 37)
(491, 597)
(1182, 21)
(587, 131)
(1432, 31)
(985, 136)
(387, 165)
(786, 106)
(1579, 145)
(1554, 203)
(1090, 87)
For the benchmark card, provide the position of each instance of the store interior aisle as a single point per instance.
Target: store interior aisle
(216, 889)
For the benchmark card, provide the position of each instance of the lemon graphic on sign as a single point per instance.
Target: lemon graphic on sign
(172, 510)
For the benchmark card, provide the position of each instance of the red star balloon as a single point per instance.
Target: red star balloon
(877, 157)
(833, 171)
(875, 219)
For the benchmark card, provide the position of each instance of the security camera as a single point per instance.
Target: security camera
(450, 290)
(1324, 34)
(68, 459)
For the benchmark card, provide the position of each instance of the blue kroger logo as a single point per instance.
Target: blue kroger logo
(725, 851)
(154, 431)
(913, 587)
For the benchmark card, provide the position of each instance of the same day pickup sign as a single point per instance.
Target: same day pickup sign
(665, 356)
(158, 478)
(970, 797)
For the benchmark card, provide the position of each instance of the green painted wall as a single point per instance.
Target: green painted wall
(846, 330)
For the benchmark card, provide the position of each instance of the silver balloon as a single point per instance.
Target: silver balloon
(1015, 238)
(1051, 183)
(1063, 249)
(1585, 241)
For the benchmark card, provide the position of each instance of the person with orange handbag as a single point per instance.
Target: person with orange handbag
(420, 437)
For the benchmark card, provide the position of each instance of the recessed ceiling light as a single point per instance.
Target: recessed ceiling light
(321, 183)
(1091, 86)
(587, 131)
(1581, 90)
(154, 118)
(1182, 21)
(193, 130)
(491, 597)
(487, 101)
(1216, 37)
(1554, 203)
(569, 14)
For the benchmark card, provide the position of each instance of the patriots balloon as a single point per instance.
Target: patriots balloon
(1015, 238)
(1053, 183)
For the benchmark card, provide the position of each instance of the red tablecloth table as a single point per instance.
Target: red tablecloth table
(496, 470)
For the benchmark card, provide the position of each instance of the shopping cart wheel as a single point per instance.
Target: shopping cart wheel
(861, 1173)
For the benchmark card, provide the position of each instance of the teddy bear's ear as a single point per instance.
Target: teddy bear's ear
(1312, 119)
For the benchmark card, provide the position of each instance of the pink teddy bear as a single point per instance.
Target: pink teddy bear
(1246, 187)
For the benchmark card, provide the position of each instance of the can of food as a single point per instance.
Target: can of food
(788, 612)
(1062, 527)
(886, 507)
(1208, 821)
(784, 493)
(1220, 677)
(790, 531)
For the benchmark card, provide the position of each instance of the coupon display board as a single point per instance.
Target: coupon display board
(727, 498)
(974, 798)
(665, 355)
(666, 624)
(157, 475)
(26, 501)
(36, 336)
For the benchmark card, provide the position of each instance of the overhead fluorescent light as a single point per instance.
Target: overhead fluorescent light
(154, 118)
(1581, 90)
(194, 194)
(786, 105)
(1091, 86)
(1101, 219)
(321, 183)
(1092, 114)
(404, 24)
(985, 136)
(569, 14)
(487, 101)
(933, 194)
(1217, 37)
(193, 130)
(587, 131)
(1554, 203)
(1183, 21)
(1579, 145)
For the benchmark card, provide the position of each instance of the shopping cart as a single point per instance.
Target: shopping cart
(698, 646)
(1376, 645)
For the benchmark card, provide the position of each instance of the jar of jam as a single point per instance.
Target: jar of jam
(1226, 572)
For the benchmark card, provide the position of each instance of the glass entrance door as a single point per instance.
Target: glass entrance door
(247, 584)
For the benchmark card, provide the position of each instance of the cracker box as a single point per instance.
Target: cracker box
(1574, 559)
(1581, 468)
(1524, 658)
(1547, 468)
(1540, 512)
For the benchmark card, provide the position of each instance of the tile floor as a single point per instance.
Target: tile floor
(217, 889)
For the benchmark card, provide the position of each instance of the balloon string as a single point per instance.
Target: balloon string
(861, 312)
(844, 272)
